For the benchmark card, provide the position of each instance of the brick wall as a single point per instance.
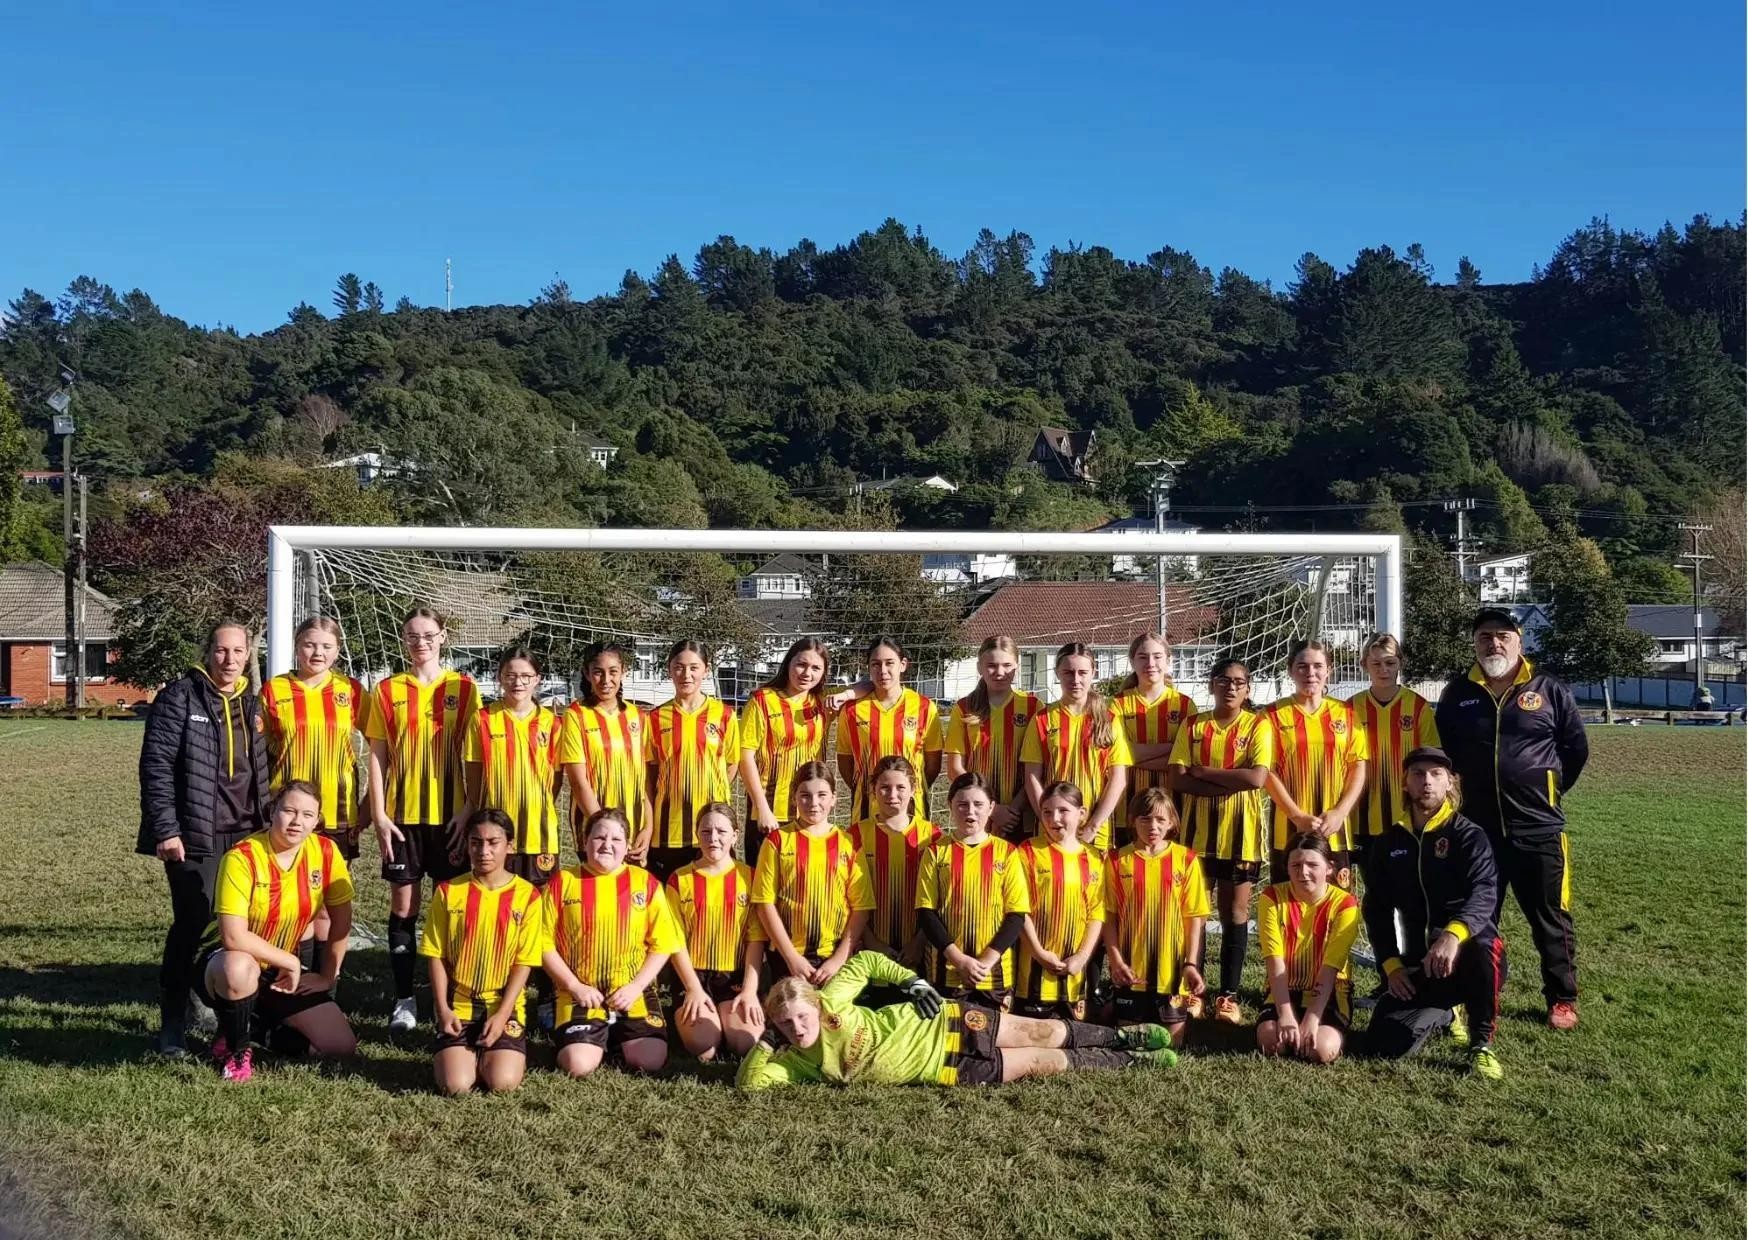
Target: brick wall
(29, 666)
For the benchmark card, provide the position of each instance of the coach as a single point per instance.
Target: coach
(1516, 740)
(203, 789)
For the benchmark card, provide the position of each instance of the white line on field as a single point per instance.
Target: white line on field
(6, 736)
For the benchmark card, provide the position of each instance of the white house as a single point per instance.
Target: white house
(1671, 626)
(956, 569)
(371, 466)
(1502, 578)
(1124, 565)
(785, 576)
(933, 482)
(601, 453)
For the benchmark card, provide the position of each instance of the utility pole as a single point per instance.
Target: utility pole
(1463, 507)
(448, 286)
(72, 572)
(1164, 474)
(1695, 559)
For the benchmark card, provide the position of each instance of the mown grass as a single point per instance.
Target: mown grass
(1633, 1123)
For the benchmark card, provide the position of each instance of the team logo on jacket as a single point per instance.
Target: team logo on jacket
(1529, 699)
(260, 723)
(1442, 848)
(974, 1020)
(545, 863)
(831, 1020)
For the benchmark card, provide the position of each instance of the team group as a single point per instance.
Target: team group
(1090, 840)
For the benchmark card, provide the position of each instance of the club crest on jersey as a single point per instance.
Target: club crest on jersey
(740, 899)
(974, 1020)
(451, 701)
(1407, 724)
(1529, 699)
(316, 876)
(1020, 720)
(1338, 726)
(1442, 848)
(831, 1020)
(342, 698)
(910, 721)
(638, 899)
(712, 731)
(512, 1028)
(634, 727)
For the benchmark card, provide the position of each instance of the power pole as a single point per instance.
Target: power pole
(1164, 474)
(1695, 559)
(448, 286)
(1465, 544)
(73, 570)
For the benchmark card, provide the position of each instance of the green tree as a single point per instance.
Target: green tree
(348, 294)
(12, 460)
(1588, 638)
(1440, 607)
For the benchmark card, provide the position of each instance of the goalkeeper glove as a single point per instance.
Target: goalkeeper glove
(924, 997)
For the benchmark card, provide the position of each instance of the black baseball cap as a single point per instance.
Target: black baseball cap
(1429, 754)
(1495, 615)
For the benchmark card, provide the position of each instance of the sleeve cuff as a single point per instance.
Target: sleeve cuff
(1458, 930)
(1393, 966)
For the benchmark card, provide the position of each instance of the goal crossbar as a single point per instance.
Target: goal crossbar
(285, 542)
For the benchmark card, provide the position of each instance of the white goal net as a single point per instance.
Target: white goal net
(751, 594)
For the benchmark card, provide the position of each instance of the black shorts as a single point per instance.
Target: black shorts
(973, 1058)
(272, 1007)
(991, 1000)
(514, 1037)
(1038, 1009)
(775, 969)
(722, 985)
(421, 852)
(535, 868)
(1220, 870)
(1148, 1007)
(1337, 1013)
(345, 839)
(609, 1035)
(664, 861)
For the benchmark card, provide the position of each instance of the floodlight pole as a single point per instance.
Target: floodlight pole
(1699, 634)
(72, 563)
(1165, 472)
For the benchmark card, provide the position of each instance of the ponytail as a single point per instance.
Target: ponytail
(1098, 709)
(1133, 680)
(974, 706)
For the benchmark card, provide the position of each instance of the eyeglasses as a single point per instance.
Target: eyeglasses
(1227, 682)
(518, 677)
(423, 639)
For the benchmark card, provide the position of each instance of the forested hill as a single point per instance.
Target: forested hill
(753, 388)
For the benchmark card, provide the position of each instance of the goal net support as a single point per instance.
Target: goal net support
(750, 594)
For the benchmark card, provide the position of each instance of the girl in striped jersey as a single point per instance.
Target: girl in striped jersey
(1156, 900)
(484, 933)
(985, 731)
(1218, 765)
(601, 747)
(1320, 763)
(269, 888)
(785, 724)
(512, 764)
(892, 719)
(972, 901)
(609, 933)
(810, 893)
(892, 845)
(1078, 741)
(1066, 882)
(1306, 927)
(416, 726)
(1396, 721)
(1152, 713)
(691, 748)
(719, 965)
(312, 716)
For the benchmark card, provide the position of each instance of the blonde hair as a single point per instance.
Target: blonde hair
(974, 706)
(788, 991)
(1103, 731)
(1383, 643)
(1148, 800)
(1132, 680)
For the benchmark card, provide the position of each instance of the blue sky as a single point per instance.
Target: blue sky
(232, 164)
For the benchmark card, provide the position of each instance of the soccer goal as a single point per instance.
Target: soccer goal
(750, 594)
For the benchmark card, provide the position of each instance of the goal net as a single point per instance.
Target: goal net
(750, 594)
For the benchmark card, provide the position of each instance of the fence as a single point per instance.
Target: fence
(1664, 692)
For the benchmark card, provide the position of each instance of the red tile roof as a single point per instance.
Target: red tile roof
(1099, 613)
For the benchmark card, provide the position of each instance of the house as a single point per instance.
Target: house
(33, 647)
(784, 576)
(1501, 578)
(1671, 625)
(601, 453)
(1063, 454)
(1125, 565)
(370, 466)
(1043, 616)
(958, 570)
(933, 482)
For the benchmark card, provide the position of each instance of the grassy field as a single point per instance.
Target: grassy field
(1632, 1124)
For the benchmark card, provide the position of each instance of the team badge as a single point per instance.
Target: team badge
(1338, 727)
(512, 1029)
(831, 1020)
(342, 698)
(316, 877)
(1021, 720)
(634, 727)
(637, 899)
(451, 701)
(1529, 699)
(1078, 1009)
(712, 731)
(1442, 848)
(260, 723)
(1407, 724)
(974, 1020)
(910, 721)
(545, 863)
(741, 899)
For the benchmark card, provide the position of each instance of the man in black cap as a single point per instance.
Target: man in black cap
(1517, 743)
(1434, 869)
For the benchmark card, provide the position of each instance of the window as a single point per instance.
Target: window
(96, 662)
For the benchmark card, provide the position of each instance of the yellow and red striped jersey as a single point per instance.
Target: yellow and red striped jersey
(1307, 937)
(695, 754)
(481, 933)
(609, 744)
(972, 888)
(518, 758)
(815, 882)
(1067, 890)
(309, 727)
(425, 727)
(604, 926)
(783, 732)
(892, 861)
(1151, 902)
(1061, 740)
(1313, 753)
(1231, 827)
(910, 727)
(1392, 732)
(279, 903)
(1149, 723)
(714, 912)
(991, 746)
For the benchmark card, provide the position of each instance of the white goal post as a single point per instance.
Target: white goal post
(1340, 586)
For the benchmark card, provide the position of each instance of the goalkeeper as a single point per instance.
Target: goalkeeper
(822, 1035)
